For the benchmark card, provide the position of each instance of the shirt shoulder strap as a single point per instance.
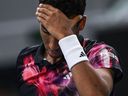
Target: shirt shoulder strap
(29, 50)
(89, 44)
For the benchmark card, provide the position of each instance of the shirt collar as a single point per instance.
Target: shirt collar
(39, 53)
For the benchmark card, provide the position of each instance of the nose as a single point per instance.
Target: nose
(53, 44)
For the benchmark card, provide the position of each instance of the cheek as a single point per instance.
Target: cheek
(46, 43)
(45, 39)
(49, 41)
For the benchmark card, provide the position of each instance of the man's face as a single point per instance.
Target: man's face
(58, 26)
(51, 44)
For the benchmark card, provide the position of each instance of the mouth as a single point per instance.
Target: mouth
(55, 53)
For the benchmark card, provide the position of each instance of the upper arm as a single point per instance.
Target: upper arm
(104, 58)
(107, 64)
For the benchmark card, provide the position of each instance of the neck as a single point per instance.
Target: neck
(50, 59)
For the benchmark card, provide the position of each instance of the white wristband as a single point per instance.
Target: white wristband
(72, 50)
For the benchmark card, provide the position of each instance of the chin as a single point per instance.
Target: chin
(55, 54)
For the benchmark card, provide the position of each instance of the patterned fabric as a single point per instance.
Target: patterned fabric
(37, 77)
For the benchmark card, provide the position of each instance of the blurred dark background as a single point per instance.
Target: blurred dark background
(107, 21)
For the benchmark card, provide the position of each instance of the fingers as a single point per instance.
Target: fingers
(43, 21)
(44, 11)
(49, 7)
(42, 15)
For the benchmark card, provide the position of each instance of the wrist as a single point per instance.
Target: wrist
(65, 33)
(72, 50)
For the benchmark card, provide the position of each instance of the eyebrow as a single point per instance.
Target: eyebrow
(44, 29)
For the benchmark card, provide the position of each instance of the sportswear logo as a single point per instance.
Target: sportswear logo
(82, 54)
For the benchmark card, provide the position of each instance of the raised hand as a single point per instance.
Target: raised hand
(54, 21)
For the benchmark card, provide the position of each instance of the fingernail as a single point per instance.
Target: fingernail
(36, 13)
(38, 9)
(40, 5)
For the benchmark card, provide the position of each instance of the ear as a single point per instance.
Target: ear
(82, 23)
(75, 20)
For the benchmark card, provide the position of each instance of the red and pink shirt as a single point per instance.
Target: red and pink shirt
(37, 77)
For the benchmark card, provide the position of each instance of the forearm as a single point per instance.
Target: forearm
(88, 81)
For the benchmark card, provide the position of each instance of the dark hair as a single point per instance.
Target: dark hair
(70, 8)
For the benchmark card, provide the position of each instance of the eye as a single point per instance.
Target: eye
(44, 29)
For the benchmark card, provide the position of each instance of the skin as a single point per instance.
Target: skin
(89, 81)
